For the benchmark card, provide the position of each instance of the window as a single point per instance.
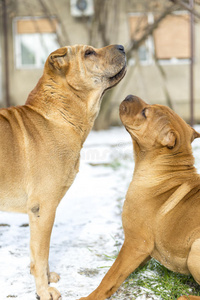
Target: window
(35, 39)
(170, 41)
(171, 38)
(138, 24)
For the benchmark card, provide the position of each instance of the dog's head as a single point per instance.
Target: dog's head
(84, 68)
(155, 126)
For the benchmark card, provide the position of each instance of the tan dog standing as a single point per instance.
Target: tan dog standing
(161, 214)
(40, 142)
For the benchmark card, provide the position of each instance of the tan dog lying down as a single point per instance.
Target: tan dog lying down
(40, 142)
(161, 214)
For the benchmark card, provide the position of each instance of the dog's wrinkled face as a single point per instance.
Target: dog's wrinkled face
(84, 67)
(155, 125)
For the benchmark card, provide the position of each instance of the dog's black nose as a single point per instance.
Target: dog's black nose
(129, 98)
(120, 48)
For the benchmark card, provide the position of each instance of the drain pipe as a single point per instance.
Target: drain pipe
(192, 64)
(6, 61)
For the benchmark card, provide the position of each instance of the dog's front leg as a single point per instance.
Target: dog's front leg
(130, 257)
(41, 219)
(193, 263)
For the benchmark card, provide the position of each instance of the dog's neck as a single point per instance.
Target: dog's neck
(158, 171)
(163, 164)
(61, 103)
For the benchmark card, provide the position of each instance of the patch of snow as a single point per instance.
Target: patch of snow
(87, 232)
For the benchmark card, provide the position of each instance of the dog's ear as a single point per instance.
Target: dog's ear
(57, 58)
(195, 135)
(169, 139)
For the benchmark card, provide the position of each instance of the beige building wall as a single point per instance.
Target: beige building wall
(142, 80)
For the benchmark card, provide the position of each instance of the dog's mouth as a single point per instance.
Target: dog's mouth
(125, 113)
(114, 80)
(119, 75)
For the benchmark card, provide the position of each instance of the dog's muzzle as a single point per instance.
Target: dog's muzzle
(125, 105)
(124, 108)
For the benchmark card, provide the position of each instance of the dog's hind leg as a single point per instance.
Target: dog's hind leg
(130, 257)
(41, 219)
(193, 263)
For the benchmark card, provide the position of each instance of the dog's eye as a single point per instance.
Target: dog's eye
(89, 52)
(144, 113)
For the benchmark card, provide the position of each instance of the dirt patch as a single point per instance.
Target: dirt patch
(88, 272)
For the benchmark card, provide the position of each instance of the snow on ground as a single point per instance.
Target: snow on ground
(87, 231)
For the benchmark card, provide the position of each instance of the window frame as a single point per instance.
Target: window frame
(175, 60)
(150, 44)
(17, 43)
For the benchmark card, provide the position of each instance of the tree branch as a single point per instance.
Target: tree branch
(186, 6)
(52, 24)
(148, 30)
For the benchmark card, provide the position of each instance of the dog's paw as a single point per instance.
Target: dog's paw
(50, 294)
(53, 277)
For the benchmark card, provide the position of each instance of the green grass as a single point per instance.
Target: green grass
(156, 280)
